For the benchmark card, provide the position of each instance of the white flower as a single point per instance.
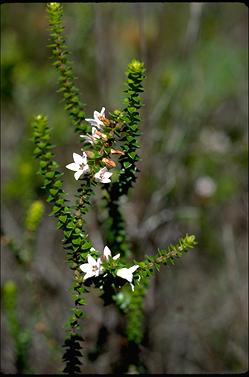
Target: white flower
(107, 253)
(127, 273)
(79, 165)
(91, 138)
(92, 268)
(97, 122)
(103, 176)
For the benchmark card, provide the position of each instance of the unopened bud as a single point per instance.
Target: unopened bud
(103, 258)
(104, 120)
(103, 136)
(109, 163)
(89, 154)
(117, 151)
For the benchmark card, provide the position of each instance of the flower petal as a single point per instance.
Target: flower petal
(133, 268)
(124, 273)
(94, 134)
(89, 275)
(90, 120)
(77, 158)
(85, 267)
(107, 252)
(102, 112)
(73, 166)
(103, 170)
(105, 180)
(116, 256)
(99, 122)
(96, 115)
(91, 260)
(78, 174)
(98, 272)
(88, 140)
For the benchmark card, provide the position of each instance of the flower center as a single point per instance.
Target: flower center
(94, 268)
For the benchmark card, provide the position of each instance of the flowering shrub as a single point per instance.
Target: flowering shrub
(107, 158)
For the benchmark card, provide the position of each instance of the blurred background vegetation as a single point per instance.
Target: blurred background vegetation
(194, 158)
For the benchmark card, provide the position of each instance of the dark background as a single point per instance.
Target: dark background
(193, 179)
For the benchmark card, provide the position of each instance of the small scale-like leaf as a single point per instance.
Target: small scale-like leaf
(127, 164)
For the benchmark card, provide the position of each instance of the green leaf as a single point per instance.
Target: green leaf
(132, 155)
(71, 225)
(86, 245)
(60, 202)
(50, 174)
(53, 192)
(55, 210)
(127, 164)
(76, 241)
(67, 233)
(63, 218)
(58, 184)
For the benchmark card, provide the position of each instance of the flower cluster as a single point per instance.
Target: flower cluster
(80, 164)
(94, 268)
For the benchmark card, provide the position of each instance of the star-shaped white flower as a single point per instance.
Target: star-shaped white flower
(79, 165)
(127, 273)
(91, 138)
(92, 268)
(103, 175)
(107, 253)
(96, 121)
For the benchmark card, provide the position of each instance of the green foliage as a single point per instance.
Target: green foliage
(20, 335)
(72, 354)
(127, 134)
(23, 249)
(115, 232)
(129, 119)
(75, 240)
(136, 313)
(22, 255)
(166, 256)
(60, 53)
(24, 185)
(34, 215)
(146, 270)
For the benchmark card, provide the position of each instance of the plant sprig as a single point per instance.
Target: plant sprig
(60, 53)
(112, 144)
